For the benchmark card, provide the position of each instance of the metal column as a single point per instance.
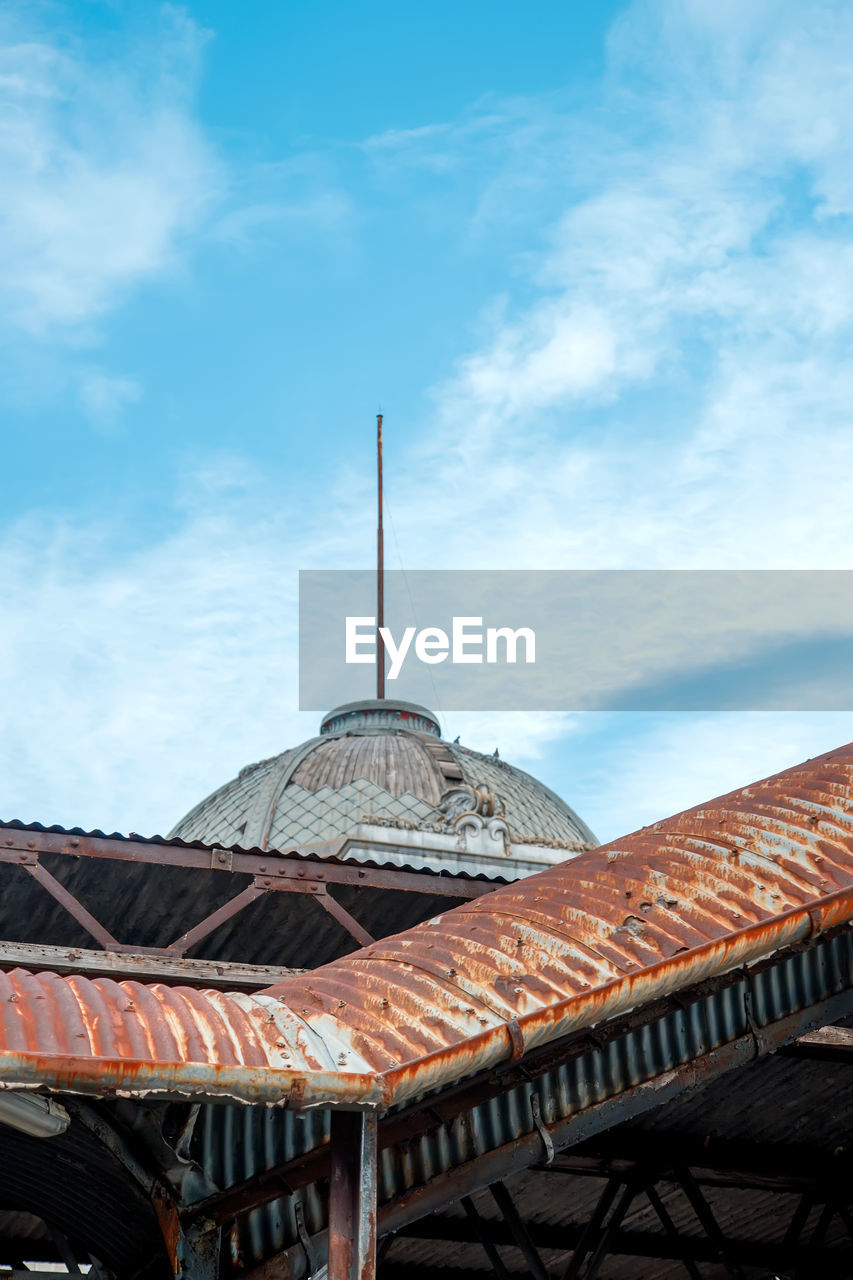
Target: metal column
(352, 1196)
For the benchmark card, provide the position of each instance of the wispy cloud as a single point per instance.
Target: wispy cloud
(136, 674)
(126, 686)
(103, 171)
(664, 382)
(669, 384)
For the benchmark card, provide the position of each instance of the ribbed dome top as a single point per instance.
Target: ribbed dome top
(397, 762)
(373, 762)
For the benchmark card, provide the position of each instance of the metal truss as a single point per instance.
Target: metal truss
(311, 870)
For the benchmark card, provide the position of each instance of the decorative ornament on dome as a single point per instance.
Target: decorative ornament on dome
(475, 809)
(460, 802)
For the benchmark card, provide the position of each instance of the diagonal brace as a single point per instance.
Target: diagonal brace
(74, 908)
(214, 920)
(343, 917)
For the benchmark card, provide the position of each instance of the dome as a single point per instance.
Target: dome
(381, 782)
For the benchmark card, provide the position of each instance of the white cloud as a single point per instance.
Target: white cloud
(675, 390)
(103, 172)
(519, 736)
(672, 389)
(132, 682)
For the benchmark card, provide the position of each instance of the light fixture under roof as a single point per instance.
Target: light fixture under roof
(31, 1113)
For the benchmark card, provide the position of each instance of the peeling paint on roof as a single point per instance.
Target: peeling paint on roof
(618, 927)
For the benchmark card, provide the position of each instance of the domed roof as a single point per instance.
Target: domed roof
(382, 764)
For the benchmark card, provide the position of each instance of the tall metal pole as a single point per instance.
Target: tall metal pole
(380, 571)
(352, 1196)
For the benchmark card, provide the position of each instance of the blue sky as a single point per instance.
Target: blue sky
(593, 261)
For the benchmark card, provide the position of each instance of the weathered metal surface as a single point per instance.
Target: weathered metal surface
(397, 762)
(18, 841)
(487, 1127)
(106, 1037)
(148, 893)
(352, 1197)
(388, 715)
(582, 1099)
(177, 970)
(616, 928)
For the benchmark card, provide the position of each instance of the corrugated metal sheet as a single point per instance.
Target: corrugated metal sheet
(615, 928)
(578, 1090)
(99, 1035)
(799, 1111)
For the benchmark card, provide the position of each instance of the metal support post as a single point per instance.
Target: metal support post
(352, 1196)
(670, 1229)
(520, 1233)
(481, 1230)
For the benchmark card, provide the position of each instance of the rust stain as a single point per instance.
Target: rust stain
(170, 1226)
(619, 926)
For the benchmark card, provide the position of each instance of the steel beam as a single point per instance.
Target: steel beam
(352, 1196)
(144, 965)
(483, 1232)
(592, 1230)
(525, 1151)
(826, 1266)
(705, 1215)
(344, 918)
(304, 863)
(743, 1166)
(216, 918)
(519, 1231)
(688, 1248)
(671, 1230)
(609, 1234)
(67, 900)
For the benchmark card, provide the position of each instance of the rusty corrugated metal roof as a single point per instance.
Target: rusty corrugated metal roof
(684, 900)
(100, 1035)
